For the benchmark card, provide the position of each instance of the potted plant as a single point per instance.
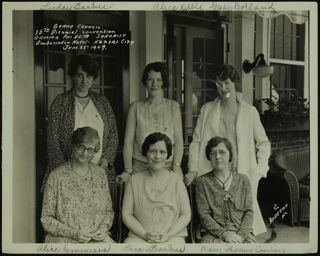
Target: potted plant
(285, 113)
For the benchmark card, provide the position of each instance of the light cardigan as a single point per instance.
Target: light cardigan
(252, 142)
(61, 122)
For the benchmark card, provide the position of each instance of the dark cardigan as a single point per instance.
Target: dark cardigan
(61, 120)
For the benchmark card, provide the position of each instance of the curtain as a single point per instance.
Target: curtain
(297, 17)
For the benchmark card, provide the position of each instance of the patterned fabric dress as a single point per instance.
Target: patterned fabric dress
(61, 123)
(72, 203)
(220, 210)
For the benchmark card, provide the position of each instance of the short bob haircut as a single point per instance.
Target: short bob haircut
(154, 138)
(87, 63)
(81, 135)
(215, 142)
(156, 67)
(225, 71)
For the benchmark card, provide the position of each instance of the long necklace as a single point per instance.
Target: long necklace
(223, 183)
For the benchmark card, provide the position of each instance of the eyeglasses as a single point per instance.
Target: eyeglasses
(83, 148)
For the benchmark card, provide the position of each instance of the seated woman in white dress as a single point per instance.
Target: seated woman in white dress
(77, 206)
(156, 206)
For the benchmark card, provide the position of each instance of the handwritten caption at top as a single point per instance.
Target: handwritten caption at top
(80, 37)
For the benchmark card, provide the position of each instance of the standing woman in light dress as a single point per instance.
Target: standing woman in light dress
(156, 206)
(79, 107)
(153, 114)
(230, 117)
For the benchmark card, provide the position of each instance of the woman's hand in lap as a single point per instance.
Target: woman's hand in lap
(84, 237)
(232, 237)
(163, 238)
(151, 237)
(99, 235)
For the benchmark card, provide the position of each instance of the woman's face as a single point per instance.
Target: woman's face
(154, 83)
(227, 86)
(82, 81)
(84, 152)
(157, 155)
(219, 157)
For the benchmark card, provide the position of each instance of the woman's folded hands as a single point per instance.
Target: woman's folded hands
(156, 237)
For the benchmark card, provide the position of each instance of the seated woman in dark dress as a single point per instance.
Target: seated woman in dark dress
(224, 199)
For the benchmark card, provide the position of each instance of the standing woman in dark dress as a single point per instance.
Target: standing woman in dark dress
(80, 107)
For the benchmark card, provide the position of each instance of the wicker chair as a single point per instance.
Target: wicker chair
(293, 167)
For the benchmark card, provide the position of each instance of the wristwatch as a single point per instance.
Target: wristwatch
(128, 170)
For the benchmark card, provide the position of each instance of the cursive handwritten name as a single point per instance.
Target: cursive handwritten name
(236, 249)
(105, 248)
(280, 211)
(48, 248)
(75, 6)
(155, 248)
(242, 6)
(195, 6)
(66, 248)
(208, 248)
(268, 249)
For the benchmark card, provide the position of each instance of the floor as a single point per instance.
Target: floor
(285, 233)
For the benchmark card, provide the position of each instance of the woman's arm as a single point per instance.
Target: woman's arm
(107, 222)
(185, 211)
(193, 161)
(49, 220)
(262, 145)
(178, 140)
(129, 136)
(111, 145)
(247, 219)
(55, 153)
(204, 211)
(127, 213)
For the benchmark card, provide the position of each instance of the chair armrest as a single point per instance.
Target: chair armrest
(193, 222)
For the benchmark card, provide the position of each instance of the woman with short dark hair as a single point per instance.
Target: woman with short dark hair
(153, 114)
(156, 206)
(224, 199)
(79, 107)
(77, 205)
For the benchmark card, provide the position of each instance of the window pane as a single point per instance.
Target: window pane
(288, 80)
(198, 69)
(56, 68)
(110, 71)
(198, 49)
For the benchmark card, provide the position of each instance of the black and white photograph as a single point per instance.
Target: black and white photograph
(160, 127)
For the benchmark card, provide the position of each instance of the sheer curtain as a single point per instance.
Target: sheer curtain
(297, 17)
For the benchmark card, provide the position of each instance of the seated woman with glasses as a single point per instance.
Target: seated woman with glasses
(224, 199)
(77, 206)
(156, 206)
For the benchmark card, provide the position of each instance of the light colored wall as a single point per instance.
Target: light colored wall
(146, 30)
(24, 164)
(241, 39)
